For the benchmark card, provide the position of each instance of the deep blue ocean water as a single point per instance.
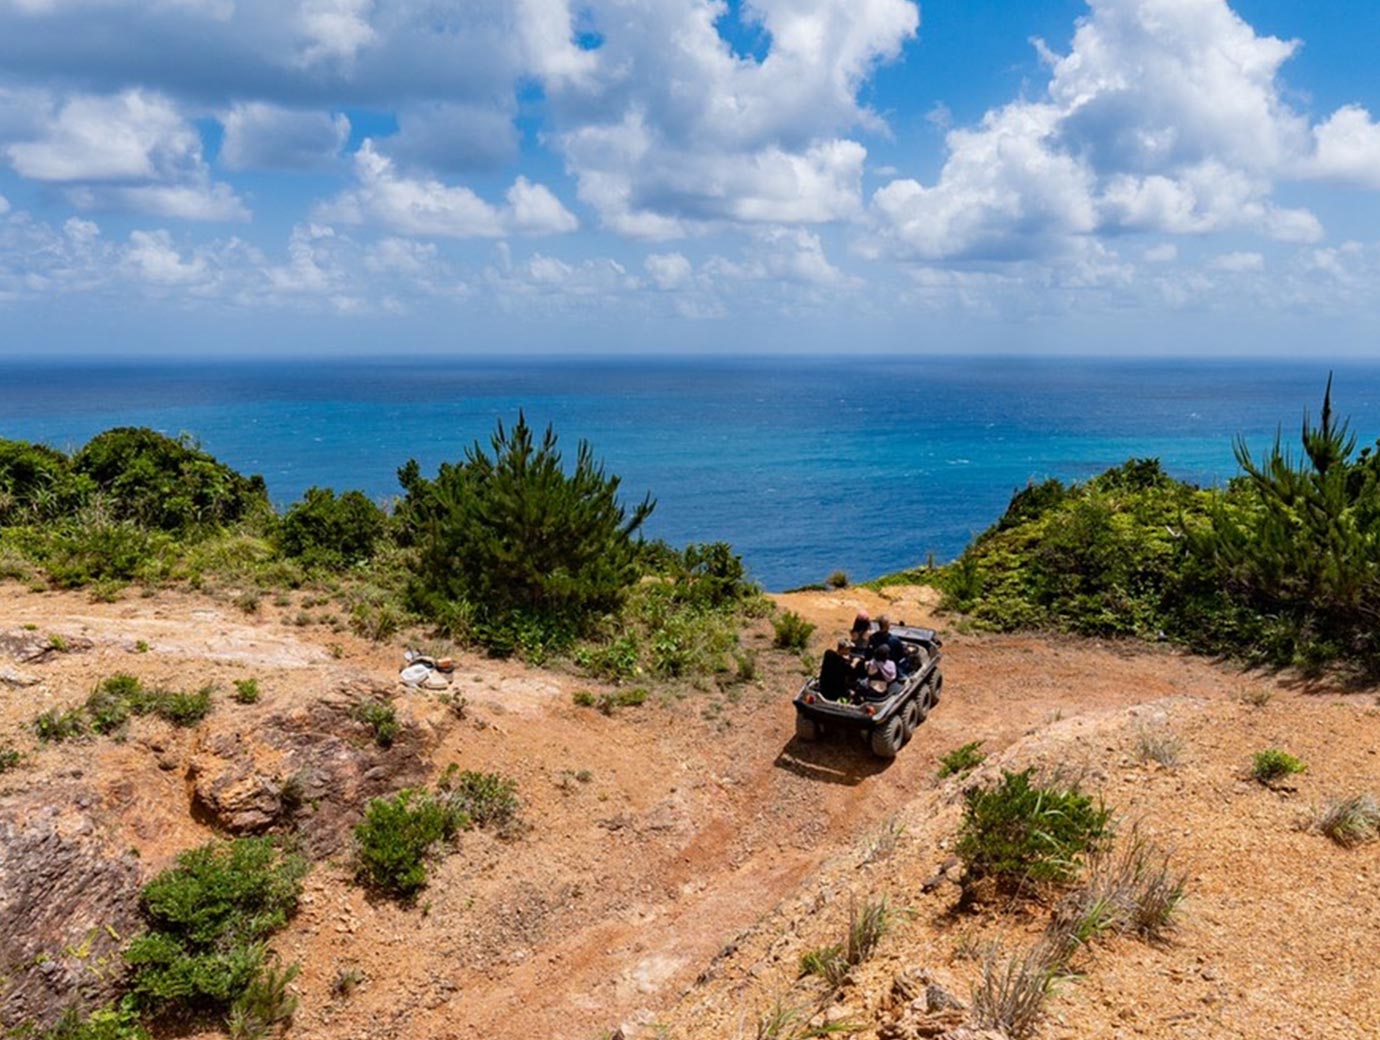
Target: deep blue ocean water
(805, 465)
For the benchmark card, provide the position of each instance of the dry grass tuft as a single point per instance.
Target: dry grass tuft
(1010, 996)
(1349, 821)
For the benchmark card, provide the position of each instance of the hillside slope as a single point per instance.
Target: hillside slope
(677, 858)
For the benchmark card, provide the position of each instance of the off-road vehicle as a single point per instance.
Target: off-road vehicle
(885, 720)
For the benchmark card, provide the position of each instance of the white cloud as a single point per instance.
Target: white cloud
(133, 150)
(154, 258)
(1163, 253)
(333, 29)
(1347, 148)
(429, 207)
(1165, 116)
(534, 210)
(259, 136)
(669, 271)
(670, 131)
(1238, 262)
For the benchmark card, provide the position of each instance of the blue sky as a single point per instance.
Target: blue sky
(495, 176)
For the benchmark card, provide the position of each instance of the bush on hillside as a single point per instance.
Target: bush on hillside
(393, 839)
(208, 917)
(330, 531)
(1021, 833)
(36, 483)
(517, 547)
(168, 484)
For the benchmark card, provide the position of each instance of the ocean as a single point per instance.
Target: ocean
(806, 465)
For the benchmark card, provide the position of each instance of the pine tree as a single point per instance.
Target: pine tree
(509, 538)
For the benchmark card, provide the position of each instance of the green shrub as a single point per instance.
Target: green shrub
(486, 799)
(382, 718)
(208, 917)
(36, 483)
(584, 698)
(54, 726)
(325, 531)
(1019, 833)
(9, 758)
(181, 708)
(246, 691)
(837, 580)
(168, 485)
(792, 631)
(961, 760)
(1273, 764)
(117, 1022)
(114, 700)
(395, 836)
(265, 1003)
(514, 535)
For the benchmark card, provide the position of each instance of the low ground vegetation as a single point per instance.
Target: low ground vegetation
(208, 918)
(1272, 765)
(1348, 821)
(397, 834)
(961, 760)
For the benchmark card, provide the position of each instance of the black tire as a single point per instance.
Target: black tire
(911, 716)
(887, 739)
(935, 683)
(806, 729)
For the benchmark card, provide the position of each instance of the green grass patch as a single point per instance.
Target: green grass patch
(1272, 764)
(961, 760)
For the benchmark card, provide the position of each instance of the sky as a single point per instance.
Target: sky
(485, 177)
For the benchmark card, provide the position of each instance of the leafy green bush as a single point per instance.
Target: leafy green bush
(333, 532)
(181, 708)
(36, 483)
(114, 700)
(208, 917)
(1273, 764)
(246, 691)
(265, 1003)
(487, 799)
(168, 485)
(1020, 833)
(117, 1022)
(961, 760)
(54, 726)
(382, 718)
(395, 836)
(9, 758)
(792, 632)
(519, 539)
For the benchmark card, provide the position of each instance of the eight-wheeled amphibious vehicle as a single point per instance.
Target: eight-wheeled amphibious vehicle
(885, 720)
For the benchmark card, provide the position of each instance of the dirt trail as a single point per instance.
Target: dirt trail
(657, 838)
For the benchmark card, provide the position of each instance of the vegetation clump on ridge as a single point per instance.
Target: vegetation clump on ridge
(1279, 567)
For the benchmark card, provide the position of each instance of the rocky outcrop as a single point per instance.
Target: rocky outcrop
(311, 769)
(68, 901)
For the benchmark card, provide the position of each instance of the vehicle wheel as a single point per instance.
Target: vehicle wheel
(911, 716)
(887, 740)
(935, 683)
(806, 729)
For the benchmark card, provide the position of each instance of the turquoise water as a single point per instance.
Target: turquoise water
(805, 465)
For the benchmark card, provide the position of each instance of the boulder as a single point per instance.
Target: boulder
(312, 769)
